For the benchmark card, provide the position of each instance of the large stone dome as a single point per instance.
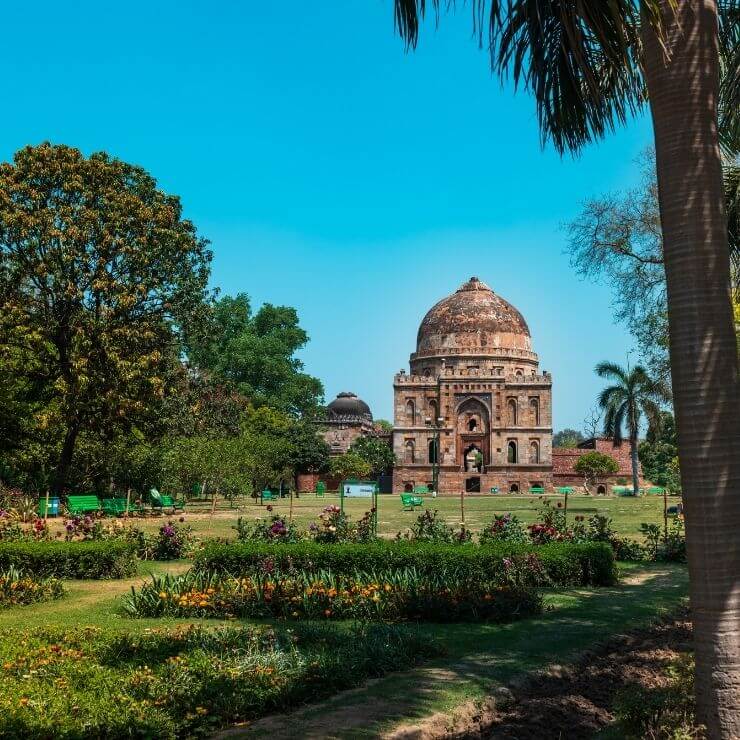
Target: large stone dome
(473, 320)
(347, 406)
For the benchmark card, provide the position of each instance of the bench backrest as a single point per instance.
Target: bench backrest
(83, 503)
(537, 489)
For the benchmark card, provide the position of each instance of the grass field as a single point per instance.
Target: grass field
(626, 513)
(477, 657)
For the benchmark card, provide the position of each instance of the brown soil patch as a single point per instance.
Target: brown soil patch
(575, 702)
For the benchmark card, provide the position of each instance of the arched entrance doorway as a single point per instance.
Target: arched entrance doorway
(473, 458)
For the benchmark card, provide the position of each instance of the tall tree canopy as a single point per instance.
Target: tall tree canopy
(256, 352)
(99, 275)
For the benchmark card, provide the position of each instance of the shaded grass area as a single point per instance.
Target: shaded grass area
(627, 513)
(481, 657)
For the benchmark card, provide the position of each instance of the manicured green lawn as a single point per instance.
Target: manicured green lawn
(627, 513)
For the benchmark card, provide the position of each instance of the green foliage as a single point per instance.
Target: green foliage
(378, 596)
(275, 529)
(99, 275)
(185, 681)
(377, 453)
(429, 527)
(349, 465)
(257, 354)
(567, 438)
(561, 563)
(100, 559)
(504, 528)
(19, 589)
(665, 545)
(660, 711)
(658, 451)
(595, 465)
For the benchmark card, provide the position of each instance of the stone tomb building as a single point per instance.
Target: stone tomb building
(347, 419)
(475, 376)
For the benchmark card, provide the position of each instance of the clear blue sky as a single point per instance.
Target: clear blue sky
(331, 170)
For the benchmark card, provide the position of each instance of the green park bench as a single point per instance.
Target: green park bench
(268, 495)
(53, 506)
(82, 504)
(420, 490)
(538, 490)
(656, 490)
(168, 502)
(622, 491)
(114, 506)
(409, 501)
(563, 490)
(320, 488)
(494, 489)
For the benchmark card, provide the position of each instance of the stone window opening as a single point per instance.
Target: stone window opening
(534, 451)
(512, 412)
(511, 452)
(472, 424)
(601, 490)
(433, 410)
(534, 406)
(410, 451)
(411, 412)
(514, 488)
(433, 451)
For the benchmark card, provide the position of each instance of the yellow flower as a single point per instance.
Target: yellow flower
(163, 595)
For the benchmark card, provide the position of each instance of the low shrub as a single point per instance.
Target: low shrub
(394, 595)
(102, 559)
(665, 546)
(186, 681)
(659, 712)
(19, 589)
(560, 564)
(504, 528)
(430, 527)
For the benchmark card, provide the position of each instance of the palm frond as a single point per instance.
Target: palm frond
(652, 412)
(612, 371)
(611, 395)
(614, 421)
(729, 92)
(732, 201)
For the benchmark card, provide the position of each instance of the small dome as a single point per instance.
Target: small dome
(349, 406)
(473, 319)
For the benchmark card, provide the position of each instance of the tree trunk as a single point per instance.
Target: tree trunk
(704, 364)
(65, 458)
(635, 466)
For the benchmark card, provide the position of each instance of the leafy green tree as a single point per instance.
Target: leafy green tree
(594, 466)
(99, 274)
(257, 354)
(659, 450)
(349, 465)
(377, 453)
(383, 425)
(567, 438)
(590, 65)
(632, 395)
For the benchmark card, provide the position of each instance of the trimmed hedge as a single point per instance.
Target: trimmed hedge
(563, 564)
(95, 559)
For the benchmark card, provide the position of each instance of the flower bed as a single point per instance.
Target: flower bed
(184, 682)
(19, 589)
(560, 564)
(102, 559)
(402, 594)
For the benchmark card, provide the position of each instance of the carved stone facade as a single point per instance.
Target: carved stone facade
(475, 376)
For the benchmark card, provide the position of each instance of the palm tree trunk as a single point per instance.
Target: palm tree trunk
(635, 465)
(704, 362)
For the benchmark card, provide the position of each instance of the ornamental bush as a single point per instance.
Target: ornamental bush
(20, 589)
(92, 559)
(562, 564)
(395, 595)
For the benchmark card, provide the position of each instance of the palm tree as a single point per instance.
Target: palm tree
(590, 64)
(632, 396)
